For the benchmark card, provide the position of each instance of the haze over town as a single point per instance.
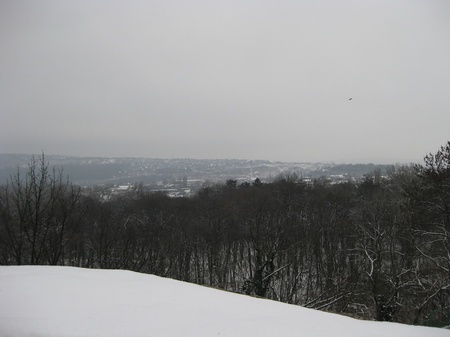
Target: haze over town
(241, 79)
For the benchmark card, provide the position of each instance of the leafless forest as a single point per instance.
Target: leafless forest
(378, 248)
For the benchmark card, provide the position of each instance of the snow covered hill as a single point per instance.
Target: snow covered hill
(63, 301)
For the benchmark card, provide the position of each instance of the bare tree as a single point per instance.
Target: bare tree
(39, 213)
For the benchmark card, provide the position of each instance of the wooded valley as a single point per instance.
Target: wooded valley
(376, 249)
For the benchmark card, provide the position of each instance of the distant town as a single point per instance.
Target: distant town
(179, 177)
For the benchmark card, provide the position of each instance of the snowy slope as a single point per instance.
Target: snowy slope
(63, 301)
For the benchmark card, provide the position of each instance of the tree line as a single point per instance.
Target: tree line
(376, 249)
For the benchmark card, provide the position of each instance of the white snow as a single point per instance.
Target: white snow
(65, 302)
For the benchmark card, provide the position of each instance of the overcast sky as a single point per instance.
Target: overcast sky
(226, 79)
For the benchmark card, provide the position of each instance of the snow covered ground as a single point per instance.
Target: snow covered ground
(63, 301)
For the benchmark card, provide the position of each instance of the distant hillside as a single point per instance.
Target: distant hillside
(100, 171)
(352, 170)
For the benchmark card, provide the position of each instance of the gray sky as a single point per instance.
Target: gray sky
(226, 79)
